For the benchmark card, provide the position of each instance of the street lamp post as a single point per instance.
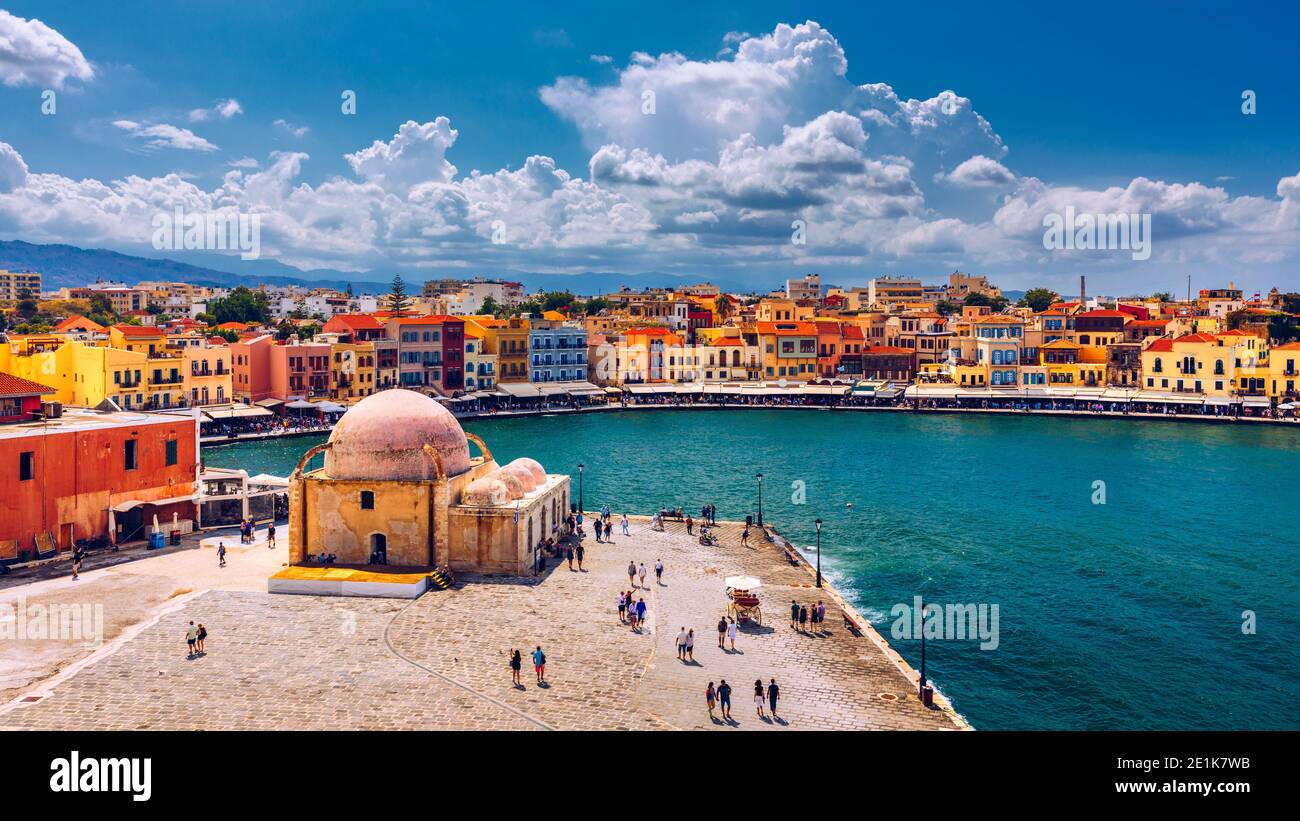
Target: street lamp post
(580, 507)
(819, 552)
(760, 499)
(921, 688)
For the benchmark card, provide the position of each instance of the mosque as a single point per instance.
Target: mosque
(400, 495)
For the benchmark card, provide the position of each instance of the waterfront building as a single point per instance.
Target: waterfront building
(163, 366)
(401, 490)
(925, 332)
(208, 376)
(507, 339)
(431, 351)
(1284, 372)
(829, 347)
(250, 364)
(299, 370)
(888, 363)
(789, 350)
(642, 356)
(1222, 365)
(997, 347)
(723, 359)
(84, 474)
(352, 367)
(1064, 367)
(557, 351)
(481, 366)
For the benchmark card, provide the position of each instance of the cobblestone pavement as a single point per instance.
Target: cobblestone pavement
(304, 662)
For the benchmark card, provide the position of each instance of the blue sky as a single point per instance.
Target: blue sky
(1112, 107)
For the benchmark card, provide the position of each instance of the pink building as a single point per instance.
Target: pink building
(299, 370)
(250, 365)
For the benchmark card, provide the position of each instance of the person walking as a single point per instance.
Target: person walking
(578, 553)
(710, 697)
(724, 699)
(568, 554)
(641, 574)
(722, 632)
(516, 664)
(270, 535)
(690, 523)
(659, 571)
(681, 644)
(731, 633)
(622, 606)
(758, 697)
(598, 527)
(640, 612)
(794, 614)
(773, 694)
(744, 537)
(191, 636)
(631, 610)
(631, 573)
(199, 637)
(78, 556)
(625, 533)
(539, 664)
(221, 554)
(821, 616)
(803, 618)
(690, 644)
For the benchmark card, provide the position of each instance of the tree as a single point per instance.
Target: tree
(1163, 296)
(946, 308)
(242, 305)
(1038, 299)
(348, 290)
(597, 304)
(1235, 319)
(397, 300)
(1291, 303)
(490, 307)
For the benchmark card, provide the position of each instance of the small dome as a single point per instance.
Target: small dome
(382, 437)
(511, 480)
(524, 475)
(533, 466)
(485, 492)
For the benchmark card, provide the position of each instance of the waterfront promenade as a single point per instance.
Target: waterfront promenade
(303, 662)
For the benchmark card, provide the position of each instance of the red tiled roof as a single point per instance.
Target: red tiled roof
(1202, 337)
(428, 319)
(12, 386)
(1162, 346)
(888, 350)
(1101, 313)
(77, 322)
(788, 328)
(357, 322)
(138, 330)
(1290, 346)
(648, 331)
(853, 332)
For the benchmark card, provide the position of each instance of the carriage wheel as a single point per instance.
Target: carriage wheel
(757, 615)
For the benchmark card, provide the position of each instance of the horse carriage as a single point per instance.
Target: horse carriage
(742, 599)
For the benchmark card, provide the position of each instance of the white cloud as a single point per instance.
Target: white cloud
(32, 53)
(602, 59)
(13, 171)
(295, 130)
(416, 154)
(978, 172)
(163, 135)
(225, 109)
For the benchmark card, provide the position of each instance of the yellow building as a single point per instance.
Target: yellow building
(82, 375)
(352, 368)
(1226, 364)
(480, 366)
(507, 339)
(789, 350)
(1284, 372)
(1065, 366)
(207, 374)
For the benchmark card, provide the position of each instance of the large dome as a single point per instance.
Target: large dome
(382, 437)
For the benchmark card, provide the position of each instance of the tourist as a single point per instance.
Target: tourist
(578, 553)
(773, 693)
(270, 535)
(803, 618)
(640, 612)
(744, 537)
(516, 663)
(539, 664)
(690, 523)
(597, 526)
(641, 574)
(821, 617)
(722, 632)
(631, 573)
(690, 644)
(758, 697)
(622, 606)
(659, 571)
(794, 614)
(710, 696)
(625, 533)
(78, 556)
(731, 633)
(631, 610)
(568, 554)
(199, 637)
(221, 554)
(681, 644)
(724, 699)
(191, 636)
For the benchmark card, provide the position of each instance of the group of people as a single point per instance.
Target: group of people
(194, 637)
(720, 697)
(802, 616)
(605, 527)
(629, 611)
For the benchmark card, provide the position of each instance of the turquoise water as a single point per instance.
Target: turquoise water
(1123, 615)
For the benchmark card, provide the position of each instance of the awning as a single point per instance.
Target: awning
(269, 403)
(235, 412)
(122, 507)
(1117, 395)
(268, 479)
(330, 407)
(519, 390)
(644, 389)
(1219, 400)
(1255, 402)
(300, 404)
(613, 390)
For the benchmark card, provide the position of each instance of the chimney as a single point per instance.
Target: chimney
(1083, 291)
